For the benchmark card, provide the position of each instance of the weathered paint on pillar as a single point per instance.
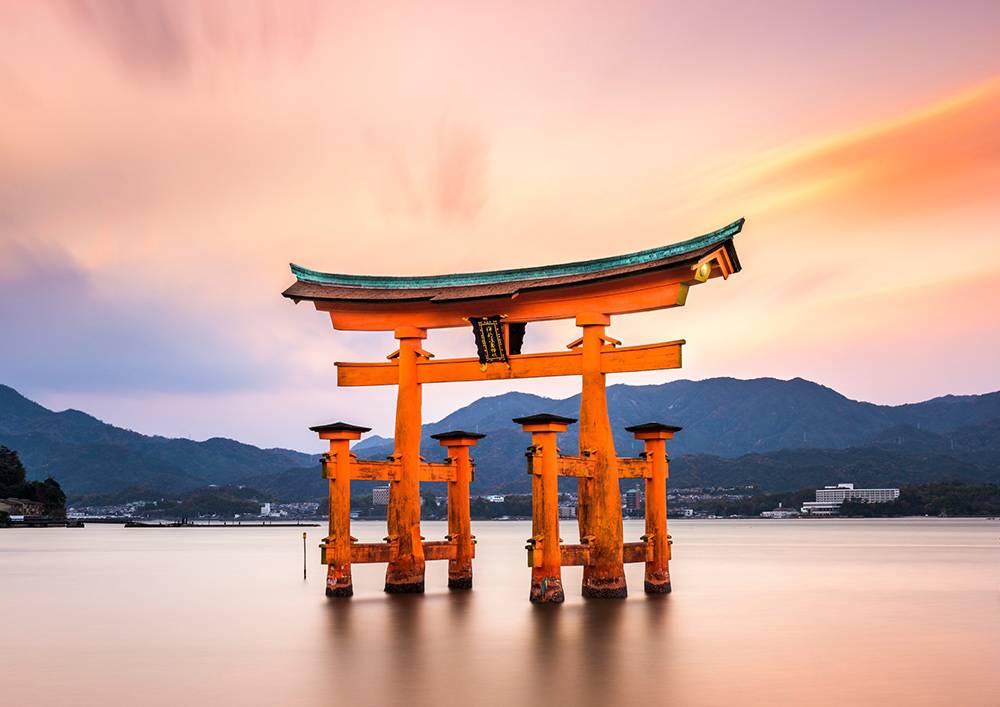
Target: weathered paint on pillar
(655, 436)
(600, 512)
(337, 469)
(405, 573)
(338, 571)
(544, 549)
(458, 444)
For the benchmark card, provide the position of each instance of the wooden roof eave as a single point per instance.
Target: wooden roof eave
(624, 289)
(642, 292)
(301, 291)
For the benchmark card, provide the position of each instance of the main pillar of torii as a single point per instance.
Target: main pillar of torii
(591, 292)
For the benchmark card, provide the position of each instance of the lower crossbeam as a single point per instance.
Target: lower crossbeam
(579, 555)
(371, 553)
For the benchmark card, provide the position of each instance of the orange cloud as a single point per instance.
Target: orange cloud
(933, 157)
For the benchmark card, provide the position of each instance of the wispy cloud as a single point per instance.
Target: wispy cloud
(919, 160)
(172, 39)
(438, 172)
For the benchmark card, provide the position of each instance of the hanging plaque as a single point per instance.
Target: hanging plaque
(490, 344)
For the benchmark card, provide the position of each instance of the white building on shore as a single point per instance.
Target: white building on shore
(829, 498)
(780, 512)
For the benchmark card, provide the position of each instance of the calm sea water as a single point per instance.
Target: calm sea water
(763, 612)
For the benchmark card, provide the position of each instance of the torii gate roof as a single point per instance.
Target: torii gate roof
(335, 287)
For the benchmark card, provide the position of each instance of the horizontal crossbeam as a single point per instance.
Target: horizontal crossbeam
(634, 468)
(646, 357)
(370, 553)
(574, 555)
(583, 466)
(391, 470)
(578, 555)
(637, 552)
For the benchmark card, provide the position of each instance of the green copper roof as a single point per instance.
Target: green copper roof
(582, 267)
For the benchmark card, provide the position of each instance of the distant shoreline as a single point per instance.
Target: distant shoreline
(319, 522)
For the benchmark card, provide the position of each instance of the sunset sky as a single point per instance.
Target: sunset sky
(161, 163)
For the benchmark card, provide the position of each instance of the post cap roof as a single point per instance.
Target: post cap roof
(653, 427)
(339, 427)
(542, 418)
(457, 434)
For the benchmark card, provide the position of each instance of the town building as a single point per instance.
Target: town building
(780, 512)
(380, 496)
(829, 498)
(22, 507)
(567, 510)
(847, 492)
(633, 499)
(495, 499)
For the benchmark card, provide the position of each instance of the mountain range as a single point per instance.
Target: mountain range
(777, 434)
(88, 456)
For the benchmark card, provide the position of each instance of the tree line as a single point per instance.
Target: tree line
(14, 484)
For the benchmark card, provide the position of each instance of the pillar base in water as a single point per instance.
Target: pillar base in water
(613, 588)
(460, 583)
(405, 578)
(405, 588)
(657, 587)
(339, 583)
(547, 591)
(657, 581)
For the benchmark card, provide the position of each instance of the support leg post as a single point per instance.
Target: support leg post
(544, 547)
(338, 571)
(600, 508)
(337, 468)
(546, 576)
(655, 436)
(458, 444)
(405, 574)
(657, 580)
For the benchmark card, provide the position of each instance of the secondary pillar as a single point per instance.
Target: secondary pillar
(600, 510)
(405, 572)
(544, 545)
(655, 436)
(337, 469)
(458, 444)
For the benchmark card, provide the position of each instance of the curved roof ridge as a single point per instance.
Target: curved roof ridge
(580, 267)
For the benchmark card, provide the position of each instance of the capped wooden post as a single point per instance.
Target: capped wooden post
(405, 573)
(544, 552)
(600, 501)
(458, 443)
(655, 435)
(337, 469)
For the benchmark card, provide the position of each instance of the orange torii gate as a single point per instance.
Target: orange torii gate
(506, 300)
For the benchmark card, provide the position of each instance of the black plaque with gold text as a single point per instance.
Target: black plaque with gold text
(490, 344)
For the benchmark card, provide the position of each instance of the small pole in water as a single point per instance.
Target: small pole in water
(303, 555)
